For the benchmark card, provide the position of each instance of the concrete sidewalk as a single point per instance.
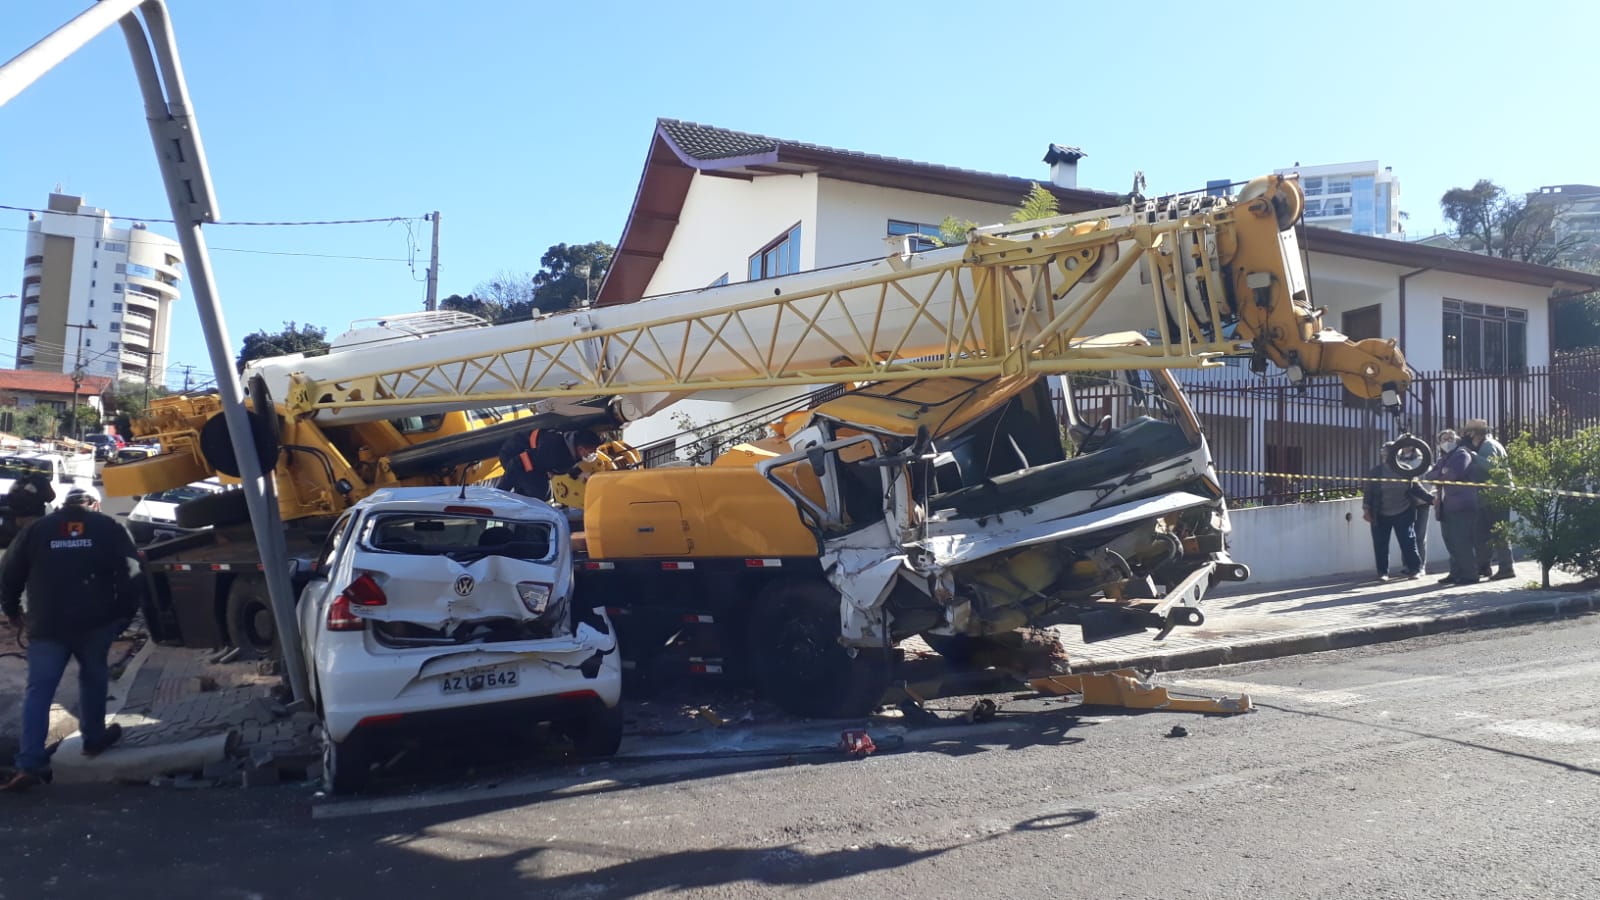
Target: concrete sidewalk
(1243, 623)
(183, 711)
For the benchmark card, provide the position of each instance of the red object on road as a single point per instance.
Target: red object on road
(856, 742)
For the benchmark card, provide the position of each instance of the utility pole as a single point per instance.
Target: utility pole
(433, 265)
(186, 370)
(77, 380)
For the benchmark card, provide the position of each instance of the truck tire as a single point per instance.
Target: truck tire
(798, 662)
(221, 509)
(251, 626)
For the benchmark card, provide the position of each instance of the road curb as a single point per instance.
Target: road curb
(1353, 636)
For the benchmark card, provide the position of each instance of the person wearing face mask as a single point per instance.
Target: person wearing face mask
(1387, 506)
(1457, 508)
(529, 459)
(1488, 456)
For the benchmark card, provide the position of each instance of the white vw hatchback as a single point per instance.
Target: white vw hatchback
(432, 606)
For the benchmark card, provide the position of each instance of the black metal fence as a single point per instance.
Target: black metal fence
(1268, 436)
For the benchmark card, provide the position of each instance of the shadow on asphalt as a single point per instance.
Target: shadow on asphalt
(637, 871)
(495, 761)
(1470, 745)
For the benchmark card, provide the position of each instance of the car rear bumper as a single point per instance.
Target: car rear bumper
(360, 689)
(482, 716)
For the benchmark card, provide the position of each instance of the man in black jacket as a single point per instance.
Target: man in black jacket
(531, 458)
(81, 573)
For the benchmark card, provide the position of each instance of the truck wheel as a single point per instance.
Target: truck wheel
(251, 626)
(222, 508)
(598, 734)
(798, 662)
(346, 764)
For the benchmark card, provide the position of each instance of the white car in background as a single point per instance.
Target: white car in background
(434, 609)
(160, 510)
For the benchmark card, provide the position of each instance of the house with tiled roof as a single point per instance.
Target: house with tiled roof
(716, 205)
(22, 388)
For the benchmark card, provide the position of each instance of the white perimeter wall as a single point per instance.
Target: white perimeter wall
(1313, 540)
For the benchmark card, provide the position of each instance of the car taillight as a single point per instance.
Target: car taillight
(535, 596)
(340, 618)
(364, 591)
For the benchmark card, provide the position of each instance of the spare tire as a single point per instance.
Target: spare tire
(221, 508)
(1408, 455)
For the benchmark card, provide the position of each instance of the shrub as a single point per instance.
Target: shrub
(1555, 530)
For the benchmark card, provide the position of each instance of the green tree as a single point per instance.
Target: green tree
(307, 339)
(38, 422)
(570, 275)
(1556, 530)
(1507, 225)
(87, 420)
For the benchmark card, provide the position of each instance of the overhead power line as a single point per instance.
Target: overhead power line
(99, 215)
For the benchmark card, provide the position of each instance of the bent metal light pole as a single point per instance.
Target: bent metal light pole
(189, 191)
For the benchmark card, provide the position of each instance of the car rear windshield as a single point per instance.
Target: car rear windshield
(460, 537)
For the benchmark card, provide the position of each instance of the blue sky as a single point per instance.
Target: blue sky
(526, 124)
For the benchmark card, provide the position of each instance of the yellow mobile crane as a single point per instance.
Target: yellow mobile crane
(938, 499)
(931, 501)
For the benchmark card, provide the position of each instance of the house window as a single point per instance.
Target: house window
(720, 281)
(113, 345)
(116, 246)
(1482, 337)
(116, 326)
(116, 307)
(918, 244)
(116, 288)
(1339, 184)
(1313, 186)
(781, 257)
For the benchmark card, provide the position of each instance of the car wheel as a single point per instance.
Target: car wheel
(346, 764)
(251, 626)
(597, 734)
(798, 661)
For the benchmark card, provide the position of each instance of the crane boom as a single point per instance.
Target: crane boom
(1009, 302)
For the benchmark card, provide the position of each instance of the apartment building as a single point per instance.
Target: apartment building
(94, 296)
(1358, 197)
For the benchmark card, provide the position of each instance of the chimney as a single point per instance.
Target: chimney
(1063, 163)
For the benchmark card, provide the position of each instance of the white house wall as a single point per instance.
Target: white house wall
(1425, 294)
(853, 219)
(724, 221)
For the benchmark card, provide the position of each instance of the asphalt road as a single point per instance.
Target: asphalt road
(1457, 766)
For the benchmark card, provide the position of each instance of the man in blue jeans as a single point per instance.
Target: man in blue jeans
(82, 576)
(1386, 505)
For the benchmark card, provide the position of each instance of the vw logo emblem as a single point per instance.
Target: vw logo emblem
(464, 585)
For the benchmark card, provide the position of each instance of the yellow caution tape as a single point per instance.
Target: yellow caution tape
(1364, 479)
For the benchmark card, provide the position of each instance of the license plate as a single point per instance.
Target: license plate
(485, 679)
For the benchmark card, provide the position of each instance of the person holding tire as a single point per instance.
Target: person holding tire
(81, 573)
(1386, 505)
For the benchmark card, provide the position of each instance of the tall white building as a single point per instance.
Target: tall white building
(1358, 197)
(94, 295)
